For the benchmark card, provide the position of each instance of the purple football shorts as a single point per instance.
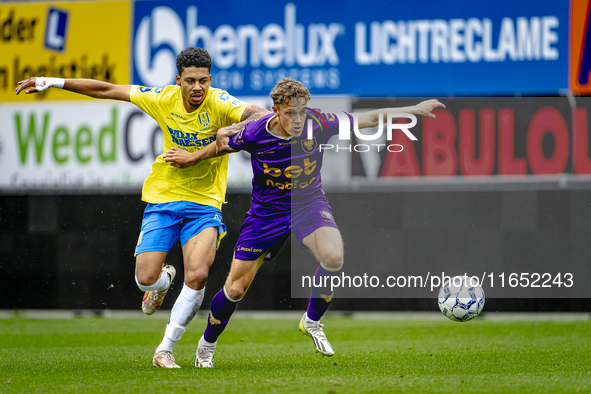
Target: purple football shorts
(265, 230)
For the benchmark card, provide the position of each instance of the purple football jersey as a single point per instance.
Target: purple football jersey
(286, 169)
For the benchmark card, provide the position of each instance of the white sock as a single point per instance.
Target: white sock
(161, 284)
(183, 311)
(308, 320)
(203, 342)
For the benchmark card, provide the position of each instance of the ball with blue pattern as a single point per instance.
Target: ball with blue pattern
(461, 298)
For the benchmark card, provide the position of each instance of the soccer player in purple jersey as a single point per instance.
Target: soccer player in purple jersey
(287, 197)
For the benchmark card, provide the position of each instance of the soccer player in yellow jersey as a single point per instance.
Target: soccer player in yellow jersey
(182, 202)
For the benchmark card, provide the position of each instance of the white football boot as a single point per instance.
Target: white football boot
(164, 359)
(314, 330)
(204, 355)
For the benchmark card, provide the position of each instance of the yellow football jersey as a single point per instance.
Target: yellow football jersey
(204, 182)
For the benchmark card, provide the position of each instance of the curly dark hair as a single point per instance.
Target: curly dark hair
(193, 57)
(289, 88)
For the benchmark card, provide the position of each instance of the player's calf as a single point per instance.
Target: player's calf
(322, 292)
(221, 310)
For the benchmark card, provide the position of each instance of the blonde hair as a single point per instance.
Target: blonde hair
(289, 88)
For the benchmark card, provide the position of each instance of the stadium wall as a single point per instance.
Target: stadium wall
(76, 252)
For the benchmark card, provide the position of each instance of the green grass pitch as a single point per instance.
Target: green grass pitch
(256, 355)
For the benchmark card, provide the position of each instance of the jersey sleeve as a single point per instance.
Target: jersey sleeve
(146, 98)
(229, 108)
(243, 139)
(330, 122)
(334, 120)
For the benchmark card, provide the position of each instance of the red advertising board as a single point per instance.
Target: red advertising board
(494, 136)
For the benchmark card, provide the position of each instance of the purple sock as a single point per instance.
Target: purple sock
(321, 294)
(219, 315)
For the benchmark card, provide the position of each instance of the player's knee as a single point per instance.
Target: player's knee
(196, 279)
(236, 290)
(147, 278)
(333, 259)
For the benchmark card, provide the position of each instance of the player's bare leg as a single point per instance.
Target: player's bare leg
(153, 278)
(241, 276)
(327, 245)
(223, 305)
(198, 255)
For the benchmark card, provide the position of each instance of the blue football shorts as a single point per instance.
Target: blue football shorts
(163, 224)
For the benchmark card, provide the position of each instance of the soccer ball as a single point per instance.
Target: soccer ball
(459, 300)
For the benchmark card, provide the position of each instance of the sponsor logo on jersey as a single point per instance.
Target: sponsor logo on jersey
(145, 89)
(178, 116)
(203, 119)
(206, 129)
(181, 138)
(251, 249)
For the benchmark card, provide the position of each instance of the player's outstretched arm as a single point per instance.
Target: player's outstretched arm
(89, 87)
(424, 108)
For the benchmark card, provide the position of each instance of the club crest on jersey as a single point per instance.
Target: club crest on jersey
(326, 215)
(309, 146)
(204, 119)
